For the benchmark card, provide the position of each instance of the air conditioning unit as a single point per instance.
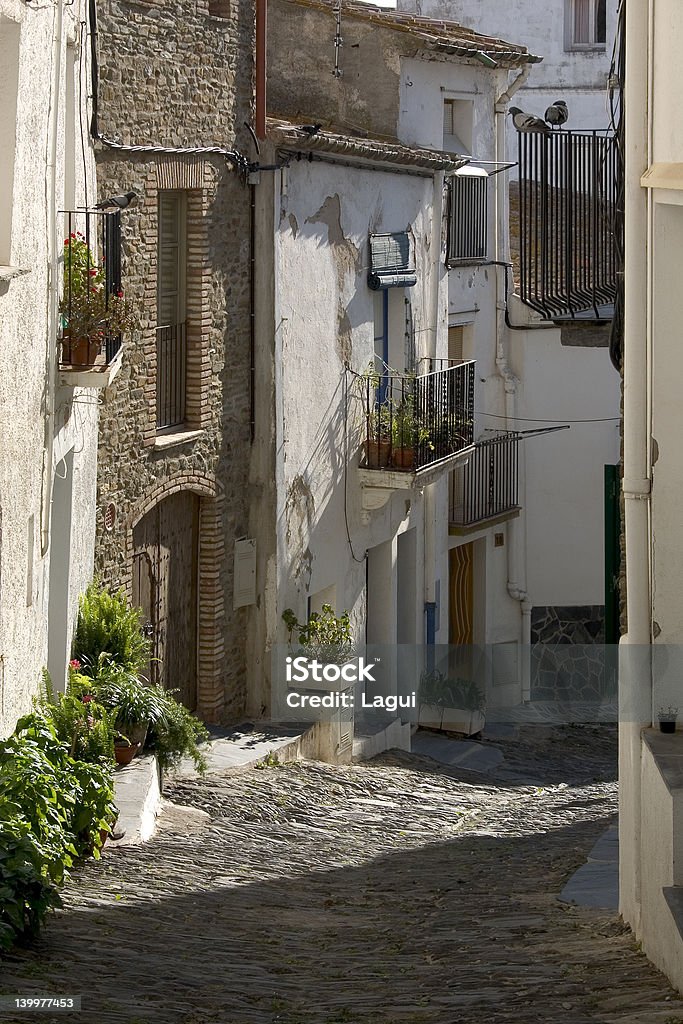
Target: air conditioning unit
(468, 216)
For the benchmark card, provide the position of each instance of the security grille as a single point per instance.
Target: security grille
(468, 223)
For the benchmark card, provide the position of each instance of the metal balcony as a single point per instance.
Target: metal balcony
(88, 349)
(486, 487)
(567, 208)
(415, 426)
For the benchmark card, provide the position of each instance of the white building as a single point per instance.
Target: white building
(574, 36)
(48, 425)
(355, 161)
(651, 662)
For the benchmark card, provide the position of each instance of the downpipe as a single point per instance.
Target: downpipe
(516, 528)
(52, 285)
(430, 491)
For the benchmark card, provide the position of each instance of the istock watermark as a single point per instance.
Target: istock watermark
(304, 670)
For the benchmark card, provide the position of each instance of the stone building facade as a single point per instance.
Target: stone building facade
(175, 434)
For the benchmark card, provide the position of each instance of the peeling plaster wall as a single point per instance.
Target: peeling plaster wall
(323, 315)
(27, 354)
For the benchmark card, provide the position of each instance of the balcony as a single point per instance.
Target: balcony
(93, 312)
(567, 218)
(416, 426)
(486, 487)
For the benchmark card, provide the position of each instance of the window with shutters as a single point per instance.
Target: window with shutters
(458, 117)
(171, 330)
(468, 216)
(585, 25)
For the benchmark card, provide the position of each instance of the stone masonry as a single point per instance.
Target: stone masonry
(170, 76)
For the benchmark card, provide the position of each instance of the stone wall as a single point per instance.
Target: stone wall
(569, 659)
(191, 75)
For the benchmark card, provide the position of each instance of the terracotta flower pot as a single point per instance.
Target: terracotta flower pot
(80, 351)
(403, 458)
(377, 454)
(125, 754)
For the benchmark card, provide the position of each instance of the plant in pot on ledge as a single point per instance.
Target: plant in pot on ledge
(89, 312)
(407, 434)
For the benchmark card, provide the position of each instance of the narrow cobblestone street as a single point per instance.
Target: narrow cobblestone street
(390, 892)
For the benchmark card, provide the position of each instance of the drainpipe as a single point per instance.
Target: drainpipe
(430, 491)
(261, 35)
(516, 528)
(52, 283)
(635, 672)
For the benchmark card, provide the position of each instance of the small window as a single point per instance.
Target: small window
(458, 116)
(585, 25)
(468, 216)
(392, 264)
(171, 340)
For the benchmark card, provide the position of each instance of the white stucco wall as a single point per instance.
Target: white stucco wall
(27, 355)
(325, 315)
(577, 76)
(564, 470)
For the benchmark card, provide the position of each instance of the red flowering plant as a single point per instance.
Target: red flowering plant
(87, 308)
(80, 721)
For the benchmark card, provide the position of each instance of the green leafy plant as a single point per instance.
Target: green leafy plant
(82, 723)
(177, 733)
(325, 637)
(439, 690)
(87, 308)
(407, 429)
(52, 811)
(130, 701)
(106, 625)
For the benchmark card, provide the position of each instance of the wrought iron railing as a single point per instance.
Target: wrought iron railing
(487, 486)
(567, 197)
(171, 375)
(423, 418)
(91, 280)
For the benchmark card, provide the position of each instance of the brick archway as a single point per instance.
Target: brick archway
(211, 559)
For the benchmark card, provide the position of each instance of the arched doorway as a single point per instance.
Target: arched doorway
(165, 560)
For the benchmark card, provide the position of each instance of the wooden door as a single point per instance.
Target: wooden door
(169, 536)
(461, 610)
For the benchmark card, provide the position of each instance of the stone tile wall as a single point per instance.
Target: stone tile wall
(175, 75)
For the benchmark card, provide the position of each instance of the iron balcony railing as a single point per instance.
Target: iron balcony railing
(171, 375)
(567, 204)
(487, 485)
(421, 419)
(91, 286)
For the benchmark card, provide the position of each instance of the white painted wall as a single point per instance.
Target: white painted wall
(322, 259)
(579, 77)
(558, 538)
(27, 361)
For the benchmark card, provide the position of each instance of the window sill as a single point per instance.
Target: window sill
(172, 437)
(9, 273)
(585, 48)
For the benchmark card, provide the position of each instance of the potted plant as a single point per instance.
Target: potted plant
(326, 637)
(667, 718)
(455, 705)
(407, 433)
(89, 311)
(133, 704)
(378, 443)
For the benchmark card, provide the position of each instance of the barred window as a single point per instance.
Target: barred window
(468, 216)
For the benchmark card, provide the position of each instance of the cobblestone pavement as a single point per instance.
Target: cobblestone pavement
(391, 892)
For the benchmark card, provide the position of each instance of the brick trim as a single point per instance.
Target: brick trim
(211, 604)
